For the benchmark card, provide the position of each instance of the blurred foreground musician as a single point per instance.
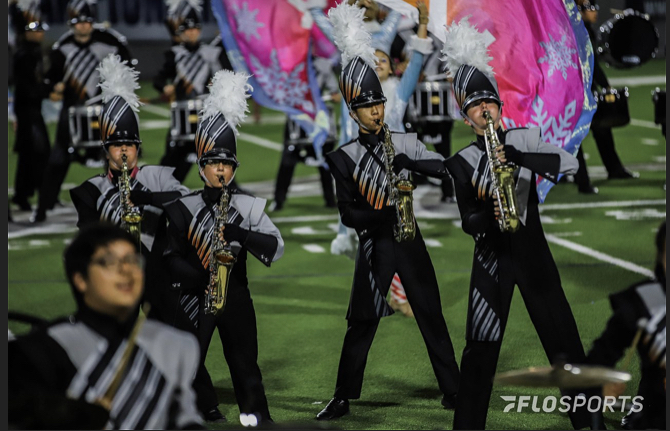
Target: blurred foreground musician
(639, 318)
(139, 371)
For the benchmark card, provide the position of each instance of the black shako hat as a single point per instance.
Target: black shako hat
(119, 122)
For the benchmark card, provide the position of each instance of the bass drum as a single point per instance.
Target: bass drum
(629, 39)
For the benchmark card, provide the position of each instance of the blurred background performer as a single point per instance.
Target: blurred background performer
(73, 78)
(298, 147)
(100, 198)
(363, 201)
(188, 68)
(191, 232)
(640, 309)
(603, 136)
(32, 138)
(105, 353)
(502, 260)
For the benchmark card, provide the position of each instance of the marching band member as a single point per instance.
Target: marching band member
(188, 68)
(139, 370)
(502, 260)
(219, 215)
(641, 308)
(602, 135)
(382, 34)
(32, 138)
(149, 187)
(73, 78)
(362, 180)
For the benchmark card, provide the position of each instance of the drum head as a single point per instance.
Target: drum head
(628, 40)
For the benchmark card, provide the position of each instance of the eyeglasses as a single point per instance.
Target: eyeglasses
(110, 261)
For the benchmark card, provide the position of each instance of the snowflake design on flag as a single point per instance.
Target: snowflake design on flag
(559, 56)
(282, 87)
(556, 131)
(246, 21)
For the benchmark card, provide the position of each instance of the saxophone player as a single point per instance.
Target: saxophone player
(503, 259)
(105, 197)
(364, 169)
(193, 235)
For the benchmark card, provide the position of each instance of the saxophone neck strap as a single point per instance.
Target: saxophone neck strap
(371, 150)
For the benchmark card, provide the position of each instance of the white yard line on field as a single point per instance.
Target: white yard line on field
(607, 204)
(636, 81)
(629, 266)
(645, 124)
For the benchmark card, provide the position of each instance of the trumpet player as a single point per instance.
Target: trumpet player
(502, 258)
(367, 171)
(198, 224)
(126, 188)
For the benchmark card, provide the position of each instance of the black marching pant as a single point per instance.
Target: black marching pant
(237, 330)
(176, 156)
(526, 262)
(605, 143)
(33, 149)
(412, 263)
(58, 165)
(289, 159)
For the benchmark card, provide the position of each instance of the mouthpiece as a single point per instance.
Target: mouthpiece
(378, 122)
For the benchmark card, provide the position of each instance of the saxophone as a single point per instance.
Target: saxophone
(502, 179)
(131, 218)
(221, 259)
(400, 194)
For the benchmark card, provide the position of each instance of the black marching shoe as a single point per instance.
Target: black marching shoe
(449, 402)
(38, 216)
(588, 190)
(214, 415)
(622, 174)
(336, 408)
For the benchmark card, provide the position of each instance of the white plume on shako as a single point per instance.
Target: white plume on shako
(228, 94)
(465, 45)
(119, 79)
(350, 35)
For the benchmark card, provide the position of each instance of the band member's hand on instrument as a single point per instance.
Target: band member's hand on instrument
(168, 90)
(140, 197)
(401, 161)
(496, 207)
(512, 154)
(233, 232)
(500, 154)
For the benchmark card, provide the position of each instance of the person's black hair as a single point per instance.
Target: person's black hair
(660, 248)
(78, 254)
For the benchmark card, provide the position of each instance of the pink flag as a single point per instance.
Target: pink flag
(271, 40)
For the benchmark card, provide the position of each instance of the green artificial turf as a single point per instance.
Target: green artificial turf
(302, 299)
